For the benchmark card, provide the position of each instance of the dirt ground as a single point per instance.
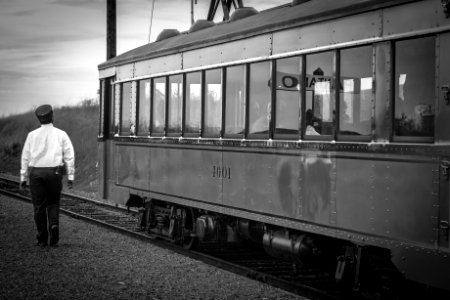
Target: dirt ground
(94, 263)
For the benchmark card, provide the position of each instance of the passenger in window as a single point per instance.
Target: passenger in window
(310, 130)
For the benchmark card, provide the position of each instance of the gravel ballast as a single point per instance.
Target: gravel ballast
(92, 262)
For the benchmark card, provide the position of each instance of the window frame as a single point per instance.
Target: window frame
(204, 99)
(111, 100)
(152, 88)
(109, 108)
(394, 90)
(138, 108)
(121, 123)
(183, 125)
(101, 121)
(168, 97)
(328, 137)
(347, 137)
(269, 134)
(224, 112)
(287, 136)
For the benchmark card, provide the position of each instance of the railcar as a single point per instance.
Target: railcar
(318, 129)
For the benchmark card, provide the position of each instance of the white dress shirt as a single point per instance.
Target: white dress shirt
(47, 146)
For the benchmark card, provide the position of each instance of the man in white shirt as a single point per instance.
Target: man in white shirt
(45, 153)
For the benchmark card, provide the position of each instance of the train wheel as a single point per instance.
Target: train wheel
(189, 240)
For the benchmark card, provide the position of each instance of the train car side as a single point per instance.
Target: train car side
(320, 128)
(378, 199)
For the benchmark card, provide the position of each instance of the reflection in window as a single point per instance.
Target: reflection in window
(175, 103)
(320, 105)
(235, 102)
(415, 87)
(213, 102)
(356, 91)
(193, 102)
(159, 105)
(260, 107)
(144, 107)
(125, 124)
(288, 95)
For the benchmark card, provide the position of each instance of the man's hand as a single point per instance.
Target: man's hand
(69, 184)
(23, 185)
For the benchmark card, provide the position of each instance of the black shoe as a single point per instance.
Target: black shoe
(54, 235)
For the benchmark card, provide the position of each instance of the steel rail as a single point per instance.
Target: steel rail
(253, 269)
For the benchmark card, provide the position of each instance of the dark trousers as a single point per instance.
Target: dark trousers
(45, 187)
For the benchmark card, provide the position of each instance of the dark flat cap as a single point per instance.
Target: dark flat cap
(44, 113)
(43, 110)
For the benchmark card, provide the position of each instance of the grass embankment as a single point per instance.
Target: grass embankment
(81, 124)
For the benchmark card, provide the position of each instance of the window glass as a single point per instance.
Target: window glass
(125, 124)
(288, 96)
(144, 107)
(213, 102)
(235, 100)
(355, 102)
(259, 107)
(193, 102)
(159, 105)
(415, 87)
(116, 110)
(112, 109)
(175, 103)
(102, 107)
(320, 100)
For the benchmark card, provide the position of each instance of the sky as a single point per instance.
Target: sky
(50, 49)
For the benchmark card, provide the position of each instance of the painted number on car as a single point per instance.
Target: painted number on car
(221, 172)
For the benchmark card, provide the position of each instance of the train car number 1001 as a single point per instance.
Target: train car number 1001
(221, 172)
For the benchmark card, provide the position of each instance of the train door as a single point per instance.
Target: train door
(443, 135)
(106, 131)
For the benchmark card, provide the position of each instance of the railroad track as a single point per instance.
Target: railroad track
(250, 262)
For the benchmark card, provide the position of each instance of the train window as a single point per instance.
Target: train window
(287, 114)
(144, 108)
(259, 99)
(159, 106)
(116, 110)
(106, 127)
(355, 101)
(175, 104)
(125, 123)
(235, 101)
(102, 107)
(320, 99)
(414, 88)
(193, 103)
(109, 108)
(213, 102)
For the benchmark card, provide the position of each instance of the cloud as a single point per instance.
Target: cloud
(22, 13)
(98, 4)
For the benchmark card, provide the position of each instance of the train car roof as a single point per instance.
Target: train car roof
(278, 18)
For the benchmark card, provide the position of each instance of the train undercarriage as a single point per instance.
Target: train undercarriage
(356, 268)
